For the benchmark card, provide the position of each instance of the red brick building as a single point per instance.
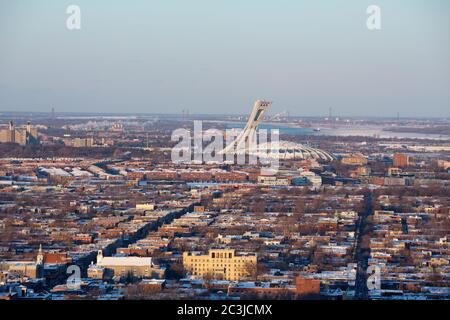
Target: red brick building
(304, 288)
(400, 160)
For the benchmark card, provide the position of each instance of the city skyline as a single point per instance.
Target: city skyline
(224, 158)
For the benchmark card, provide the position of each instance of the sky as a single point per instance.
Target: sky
(218, 56)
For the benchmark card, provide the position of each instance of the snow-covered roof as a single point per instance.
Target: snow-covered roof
(125, 261)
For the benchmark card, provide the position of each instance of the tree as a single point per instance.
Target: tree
(176, 271)
(129, 277)
(251, 270)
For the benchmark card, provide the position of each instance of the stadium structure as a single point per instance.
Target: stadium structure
(284, 149)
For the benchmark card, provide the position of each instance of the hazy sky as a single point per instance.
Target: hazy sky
(218, 56)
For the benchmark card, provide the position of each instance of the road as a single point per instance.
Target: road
(362, 250)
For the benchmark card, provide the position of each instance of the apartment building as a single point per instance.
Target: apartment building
(22, 136)
(220, 264)
(400, 160)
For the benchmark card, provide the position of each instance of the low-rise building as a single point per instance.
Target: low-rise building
(140, 267)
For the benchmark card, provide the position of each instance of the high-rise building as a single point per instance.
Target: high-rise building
(12, 132)
(22, 136)
(400, 160)
(80, 142)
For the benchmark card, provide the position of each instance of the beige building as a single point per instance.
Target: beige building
(95, 272)
(273, 181)
(140, 267)
(29, 269)
(356, 159)
(220, 264)
(79, 142)
(393, 171)
(22, 136)
(443, 164)
(145, 206)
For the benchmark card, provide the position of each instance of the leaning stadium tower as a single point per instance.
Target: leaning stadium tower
(287, 150)
(259, 109)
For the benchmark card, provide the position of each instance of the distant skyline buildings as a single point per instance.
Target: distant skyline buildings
(218, 57)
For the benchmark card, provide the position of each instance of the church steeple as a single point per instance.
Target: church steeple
(99, 256)
(40, 256)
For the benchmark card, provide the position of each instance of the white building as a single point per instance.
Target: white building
(141, 267)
